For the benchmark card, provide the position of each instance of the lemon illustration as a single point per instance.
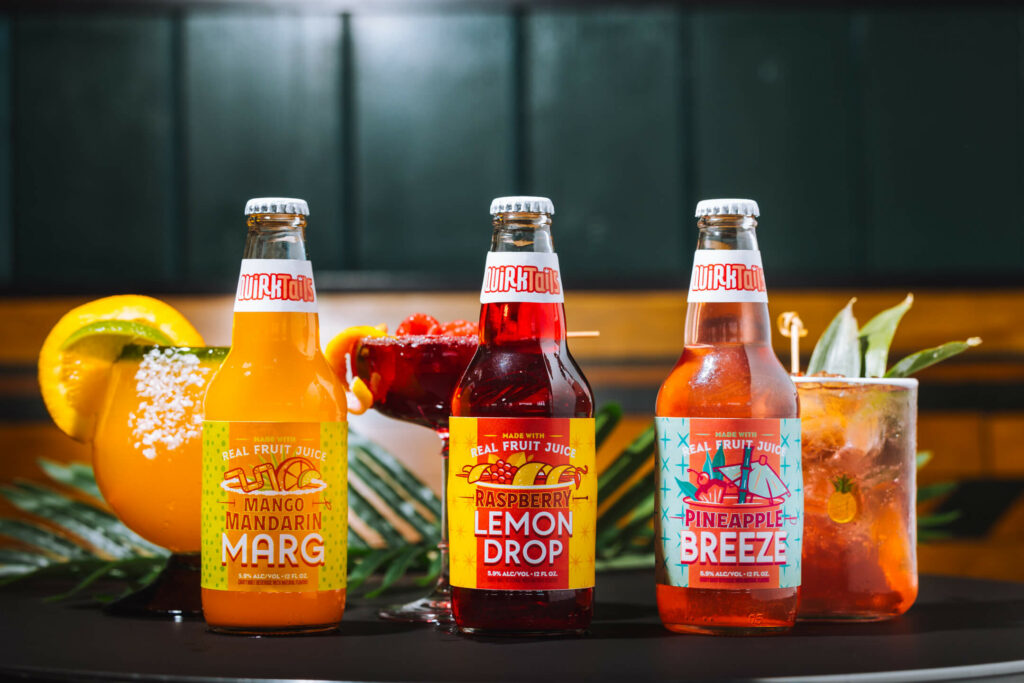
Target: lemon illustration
(842, 505)
(527, 474)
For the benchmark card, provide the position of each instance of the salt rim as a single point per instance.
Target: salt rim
(166, 415)
(905, 382)
(321, 486)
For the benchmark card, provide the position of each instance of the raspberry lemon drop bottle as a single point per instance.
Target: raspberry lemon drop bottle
(729, 485)
(522, 491)
(275, 509)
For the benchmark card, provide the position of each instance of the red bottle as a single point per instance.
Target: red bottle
(522, 491)
(729, 484)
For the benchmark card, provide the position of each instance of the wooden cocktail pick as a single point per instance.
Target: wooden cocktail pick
(791, 326)
(583, 333)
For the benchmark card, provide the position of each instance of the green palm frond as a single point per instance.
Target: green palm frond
(65, 537)
(82, 542)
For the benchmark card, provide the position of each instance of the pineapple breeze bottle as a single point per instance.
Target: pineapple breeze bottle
(275, 508)
(729, 485)
(522, 492)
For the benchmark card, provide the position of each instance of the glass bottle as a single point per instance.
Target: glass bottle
(275, 510)
(730, 499)
(522, 487)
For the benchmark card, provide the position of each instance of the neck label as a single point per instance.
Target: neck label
(275, 286)
(522, 276)
(727, 275)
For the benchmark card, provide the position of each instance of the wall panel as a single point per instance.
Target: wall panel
(262, 118)
(433, 106)
(6, 210)
(604, 139)
(942, 115)
(94, 158)
(775, 120)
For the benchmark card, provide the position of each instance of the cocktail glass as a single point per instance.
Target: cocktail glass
(412, 378)
(147, 454)
(859, 448)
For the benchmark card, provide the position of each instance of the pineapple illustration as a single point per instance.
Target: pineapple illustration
(842, 505)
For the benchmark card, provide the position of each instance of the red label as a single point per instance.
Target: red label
(522, 502)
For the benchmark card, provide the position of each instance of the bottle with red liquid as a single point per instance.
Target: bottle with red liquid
(729, 483)
(522, 492)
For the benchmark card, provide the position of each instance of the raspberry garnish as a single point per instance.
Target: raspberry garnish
(418, 324)
(459, 328)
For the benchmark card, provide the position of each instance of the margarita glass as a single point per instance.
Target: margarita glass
(860, 530)
(147, 454)
(412, 378)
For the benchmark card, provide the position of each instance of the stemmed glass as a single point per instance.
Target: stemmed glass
(412, 378)
(147, 455)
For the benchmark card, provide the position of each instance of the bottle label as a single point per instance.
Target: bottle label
(275, 506)
(275, 285)
(522, 276)
(522, 503)
(727, 275)
(730, 502)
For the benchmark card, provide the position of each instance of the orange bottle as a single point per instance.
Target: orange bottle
(274, 448)
(729, 487)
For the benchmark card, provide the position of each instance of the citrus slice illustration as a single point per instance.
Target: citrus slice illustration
(295, 473)
(555, 475)
(307, 477)
(75, 359)
(842, 505)
(476, 471)
(527, 474)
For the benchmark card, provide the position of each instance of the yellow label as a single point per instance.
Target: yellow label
(522, 503)
(275, 506)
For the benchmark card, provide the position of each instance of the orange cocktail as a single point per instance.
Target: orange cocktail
(859, 447)
(147, 456)
(146, 450)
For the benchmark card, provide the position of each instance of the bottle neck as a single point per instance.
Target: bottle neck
(727, 322)
(522, 322)
(276, 235)
(286, 320)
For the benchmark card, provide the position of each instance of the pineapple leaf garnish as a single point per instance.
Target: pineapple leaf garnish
(838, 350)
(844, 351)
(877, 334)
(922, 359)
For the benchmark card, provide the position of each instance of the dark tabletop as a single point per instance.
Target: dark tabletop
(959, 628)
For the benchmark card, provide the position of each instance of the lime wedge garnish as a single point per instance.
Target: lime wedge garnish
(117, 328)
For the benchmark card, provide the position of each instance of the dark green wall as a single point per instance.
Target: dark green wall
(885, 147)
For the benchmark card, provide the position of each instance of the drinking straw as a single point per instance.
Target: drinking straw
(745, 476)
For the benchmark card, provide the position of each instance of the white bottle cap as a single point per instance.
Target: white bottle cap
(276, 205)
(522, 205)
(727, 207)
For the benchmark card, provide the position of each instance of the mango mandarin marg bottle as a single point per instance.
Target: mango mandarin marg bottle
(729, 513)
(274, 505)
(522, 490)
